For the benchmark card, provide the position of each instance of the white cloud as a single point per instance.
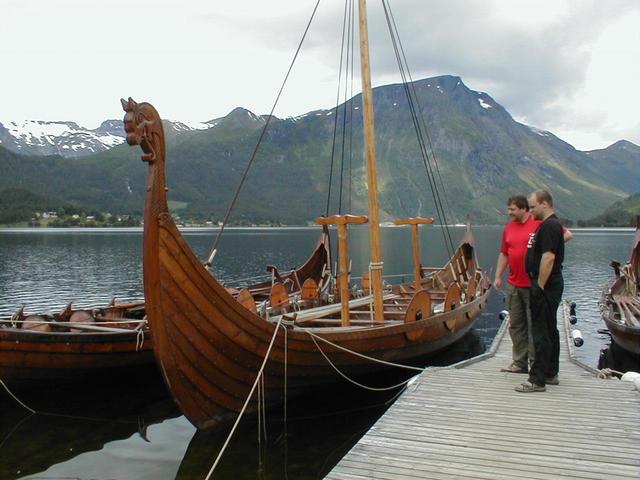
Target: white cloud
(566, 66)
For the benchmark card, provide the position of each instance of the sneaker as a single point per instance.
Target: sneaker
(552, 380)
(528, 387)
(514, 368)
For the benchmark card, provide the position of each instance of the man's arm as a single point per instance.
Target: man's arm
(566, 234)
(546, 265)
(500, 268)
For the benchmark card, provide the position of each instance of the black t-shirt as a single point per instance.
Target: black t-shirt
(548, 238)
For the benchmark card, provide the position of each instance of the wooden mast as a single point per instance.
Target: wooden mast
(372, 175)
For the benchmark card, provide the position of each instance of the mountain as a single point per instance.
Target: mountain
(620, 214)
(483, 156)
(621, 163)
(68, 139)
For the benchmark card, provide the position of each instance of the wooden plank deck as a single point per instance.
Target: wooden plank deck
(467, 422)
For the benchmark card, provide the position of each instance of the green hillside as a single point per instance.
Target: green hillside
(620, 214)
(483, 157)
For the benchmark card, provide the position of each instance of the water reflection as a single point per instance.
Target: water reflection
(144, 436)
(74, 420)
(134, 430)
(618, 359)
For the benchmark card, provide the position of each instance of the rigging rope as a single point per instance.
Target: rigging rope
(346, 101)
(335, 117)
(418, 125)
(351, 102)
(262, 134)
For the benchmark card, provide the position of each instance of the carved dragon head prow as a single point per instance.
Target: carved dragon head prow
(143, 127)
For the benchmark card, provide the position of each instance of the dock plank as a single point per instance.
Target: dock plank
(466, 421)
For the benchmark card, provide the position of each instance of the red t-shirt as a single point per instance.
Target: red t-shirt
(514, 246)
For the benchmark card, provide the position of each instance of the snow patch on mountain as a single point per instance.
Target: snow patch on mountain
(484, 104)
(68, 139)
(542, 133)
(32, 130)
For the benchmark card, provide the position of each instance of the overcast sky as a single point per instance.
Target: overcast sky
(568, 66)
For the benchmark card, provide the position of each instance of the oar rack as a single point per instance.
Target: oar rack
(415, 243)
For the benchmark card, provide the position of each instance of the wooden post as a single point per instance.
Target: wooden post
(370, 154)
(415, 243)
(343, 245)
(343, 282)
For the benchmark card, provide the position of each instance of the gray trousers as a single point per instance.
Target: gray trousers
(519, 306)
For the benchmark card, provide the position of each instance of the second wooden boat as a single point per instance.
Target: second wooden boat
(74, 345)
(620, 304)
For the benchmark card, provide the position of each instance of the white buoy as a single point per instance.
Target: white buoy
(632, 377)
(577, 338)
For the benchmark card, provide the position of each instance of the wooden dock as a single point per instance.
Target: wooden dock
(467, 422)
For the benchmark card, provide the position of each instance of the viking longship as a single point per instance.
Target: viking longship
(211, 344)
(74, 345)
(620, 303)
(80, 343)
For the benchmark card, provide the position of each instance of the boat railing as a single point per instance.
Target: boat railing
(236, 281)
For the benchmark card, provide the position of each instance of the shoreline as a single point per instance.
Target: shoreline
(261, 227)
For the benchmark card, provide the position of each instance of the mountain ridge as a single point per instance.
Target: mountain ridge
(483, 156)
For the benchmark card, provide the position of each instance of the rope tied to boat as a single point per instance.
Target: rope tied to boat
(606, 373)
(16, 398)
(373, 266)
(366, 387)
(246, 402)
(139, 339)
(361, 355)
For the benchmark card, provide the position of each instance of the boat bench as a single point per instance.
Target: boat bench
(629, 308)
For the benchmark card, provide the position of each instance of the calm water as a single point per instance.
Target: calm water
(131, 429)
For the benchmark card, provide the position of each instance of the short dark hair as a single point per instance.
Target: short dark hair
(543, 196)
(519, 201)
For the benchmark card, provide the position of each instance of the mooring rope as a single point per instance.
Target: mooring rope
(60, 415)
(139, 339)
(605, 373)
(264, 409)
(286, 350)
(246, 403)
(366, 387)
(357, 354)
(16, 398)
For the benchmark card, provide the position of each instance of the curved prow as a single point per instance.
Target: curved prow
(143, 127)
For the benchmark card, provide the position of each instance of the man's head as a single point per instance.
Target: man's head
(540, 204)
(518, 208)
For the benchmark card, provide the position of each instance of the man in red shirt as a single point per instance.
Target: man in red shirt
(513, 251)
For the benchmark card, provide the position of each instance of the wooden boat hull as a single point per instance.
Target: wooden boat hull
(626, 337)
(620, 304)
(210, 347)
(31, 358)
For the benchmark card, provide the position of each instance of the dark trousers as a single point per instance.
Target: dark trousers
(544, 329)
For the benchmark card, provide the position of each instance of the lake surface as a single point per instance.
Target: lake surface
(131, 429)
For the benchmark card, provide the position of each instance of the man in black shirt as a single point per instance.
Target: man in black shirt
(545, 254)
